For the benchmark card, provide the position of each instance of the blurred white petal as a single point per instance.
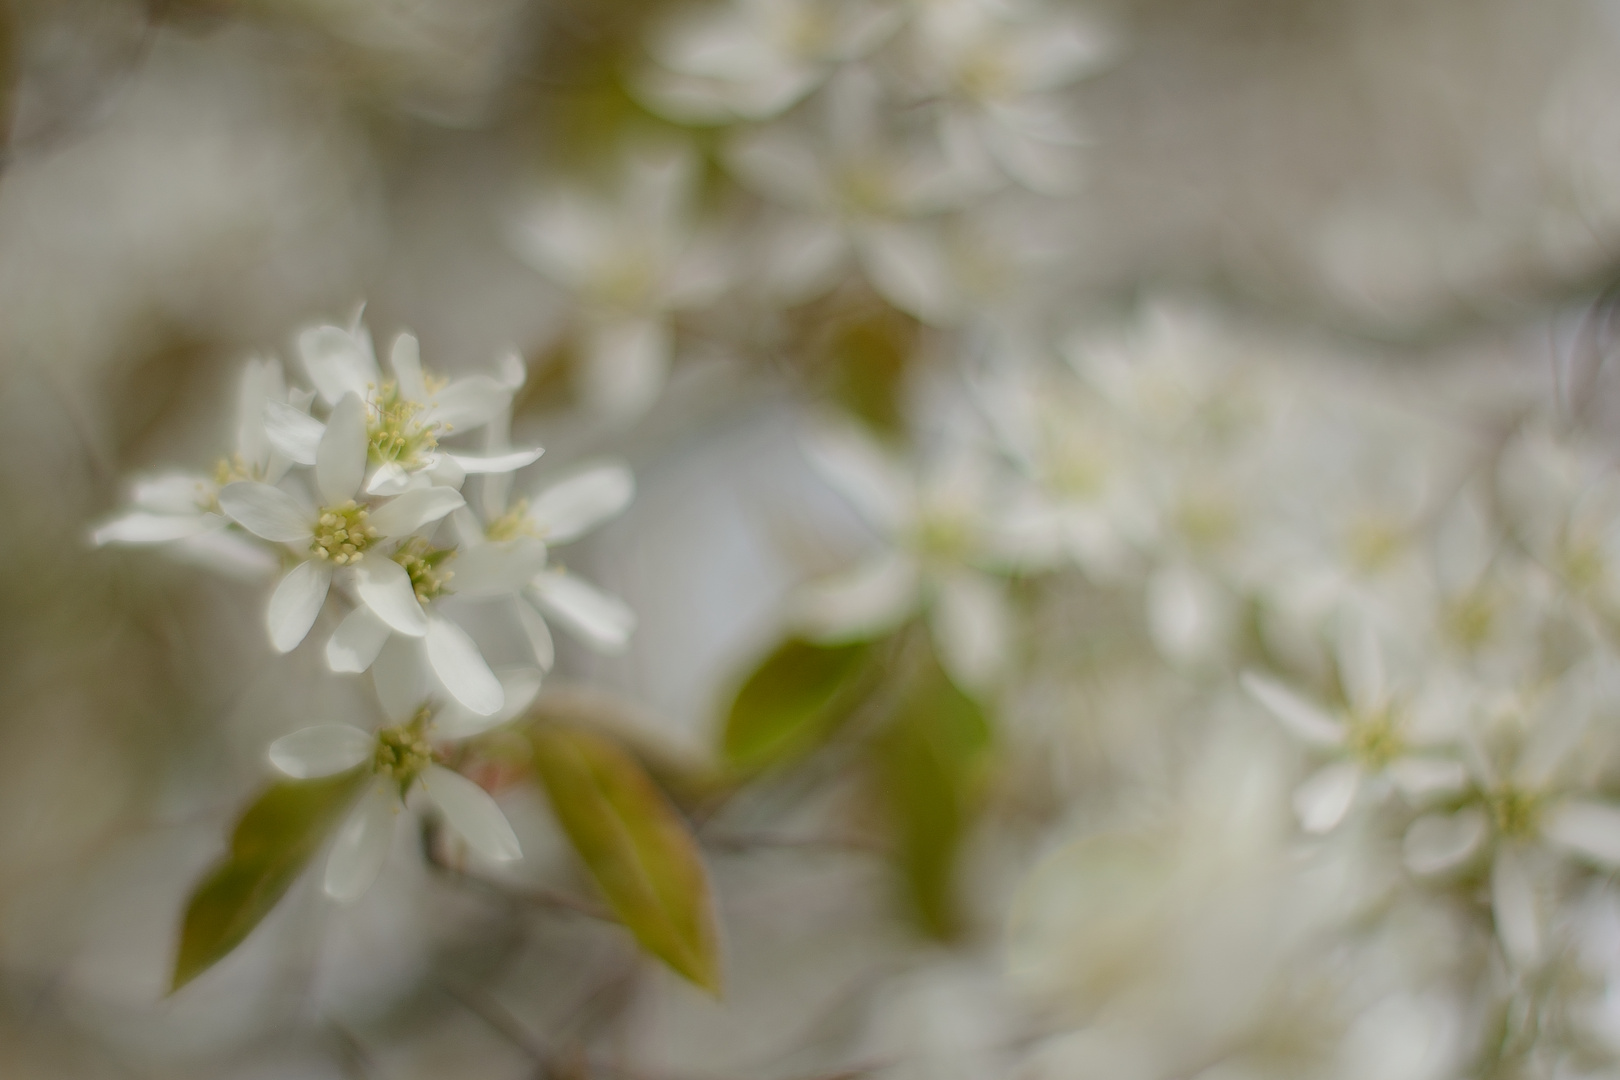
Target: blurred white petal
(624, 366)
(337, 362)
(604, 621)
(362, 843)
(409, 511)
(512, 460)
(266, 511)
(405, 357)
(571, 507)
(399, 677)
(294, 434)
(1361, 665)
(322, 750)
(498, 568)
(472, 813)
(1513, 902)
(858, 469)
(143, 528)
(538, 633)
(1325, 797)
(871, 599)
(340, 460)
(470, 402)
(1421, 777)
(461, 668)
(520, 685)
(385, 587)
(1587, 828)
(1296, 714)
(296, 602)
(906, 264)
(972, 626)
(1435, 843)
(354, 645)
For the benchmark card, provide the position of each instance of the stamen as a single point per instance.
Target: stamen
(342, 533)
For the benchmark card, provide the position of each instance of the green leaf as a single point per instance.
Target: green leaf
(931, 763)
(272, 842)
(792, 701)
(635, 845)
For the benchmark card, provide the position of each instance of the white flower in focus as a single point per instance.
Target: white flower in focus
(1381, 733)
(342, 534)
(184, 508)
(937, 531)
(994, 69)
(630, 261)
(403, 759)
(405, 417)
(852, 190)
(752, 59)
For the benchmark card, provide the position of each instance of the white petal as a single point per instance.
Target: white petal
(1325, 797)
(855, 467)
(405, 513)
(445, 470)
(510, 461)
(362, 844)
(460, 667)
(1586, 828)
(625, 365)
(604, 621)
(874, 597)
(520, 685)
(573, 506)
(354, 645)
(538, 633)
(973, 628)
(389, 478)
(1183, 613)
(174, 494)
(266, 511)
(386, 589)
(1513, 902)
(340, 460)
(470, 402)
(1423, 776)
(322, 750)
(337, 362)
(294, 434)
(262, 383)
(1296, 714)
(1435, 843)
(1361, 665)
(296, 602)
(399, 677)
(471, 813)
(905, 263)
(234, 554)
(405, 357)
(498, 569)
(144, 528)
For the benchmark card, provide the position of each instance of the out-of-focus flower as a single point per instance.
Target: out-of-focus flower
(403, 758)
(752, 59)
(938, 539)
(630, 262)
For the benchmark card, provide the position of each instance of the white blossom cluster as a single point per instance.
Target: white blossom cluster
(352, 494)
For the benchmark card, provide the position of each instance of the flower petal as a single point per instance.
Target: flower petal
(973, 628)
(538, 633)
(354, 645)
(498, 569)
(510, 461)
(1296, 714)
(143, 528)
(362, 843)
(385, 588)
(461, 668)
(471, 813)
(337, 362)
(861, 603)
(520, 685)
(340, 460)
(1424, 776)
(604, 621)
(469, 402)
(405, 357)
(399, 677)
(573, 506)
(1361, 665)
(266, 511)
(1325, 797)
(855, 467)
(405, 513)
(294, 434)
(322, 750)
(1513, 902)
(296, 602)
(389, 478)
(1591, 829)
(1435, 843)
(625, 365)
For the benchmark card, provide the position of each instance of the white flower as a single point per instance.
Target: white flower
(184, 508)
(630, 261)
(853, 190)
(402, 759)
(993, 68)
(751, 59)
(1381, 732)
(339, 534)
(936, 532)
(404, 416)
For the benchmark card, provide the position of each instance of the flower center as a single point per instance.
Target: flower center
(403, 752)
(1582, 563)
(986, 74)
(395, 434)
(342, 533)
(1375, 740)
(1516, 812)
(1374, 543)
(1470, 619)
(512, 524)
(425, 564)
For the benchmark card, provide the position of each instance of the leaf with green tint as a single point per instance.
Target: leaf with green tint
(930, 763)
(272, 843)
(635, 845)
(792, 701)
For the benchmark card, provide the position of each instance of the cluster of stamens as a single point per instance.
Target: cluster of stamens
(1516, 812)
(512, 524)
(1375, 740)
(342, 533)
(393, 432)
(425, 564)
(403, 752)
